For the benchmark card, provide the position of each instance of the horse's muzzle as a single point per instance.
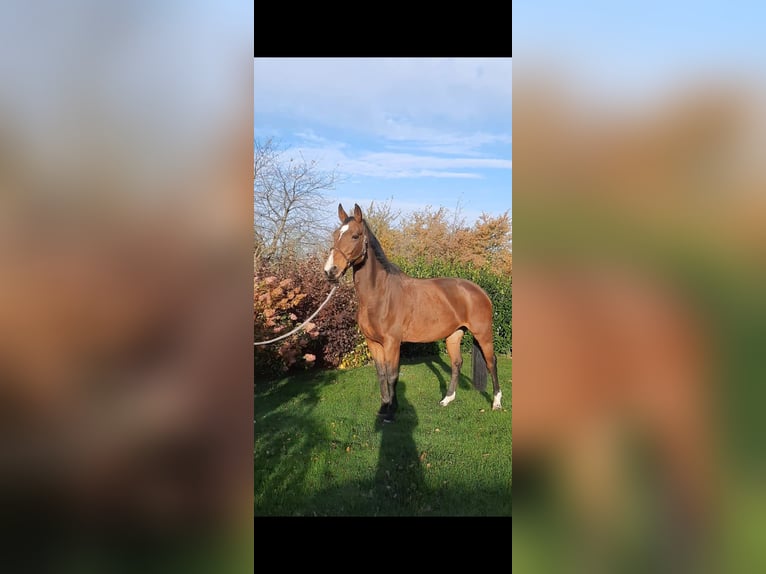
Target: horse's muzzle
(332, 274)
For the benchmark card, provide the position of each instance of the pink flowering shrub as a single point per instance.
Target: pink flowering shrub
(273, 303)
(285, 294)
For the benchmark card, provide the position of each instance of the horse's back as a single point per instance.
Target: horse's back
(464, 293)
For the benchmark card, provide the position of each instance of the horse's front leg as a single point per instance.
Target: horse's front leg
(376, 350)
(391, 349)
(385, 398)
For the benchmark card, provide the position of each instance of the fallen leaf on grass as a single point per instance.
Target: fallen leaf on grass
(423, 456)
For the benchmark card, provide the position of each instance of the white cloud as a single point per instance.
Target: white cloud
(406, 160)
(409, 120)
(309, 135)
(396, 165)
(377, 95)
(441, 141)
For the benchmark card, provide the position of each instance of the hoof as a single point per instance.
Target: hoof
(497, 408)
(387, 411)
(447, 400)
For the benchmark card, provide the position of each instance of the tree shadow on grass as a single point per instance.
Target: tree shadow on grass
(285, 440)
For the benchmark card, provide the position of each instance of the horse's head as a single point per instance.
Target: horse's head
(349, 244)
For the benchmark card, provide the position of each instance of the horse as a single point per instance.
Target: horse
(396, 308)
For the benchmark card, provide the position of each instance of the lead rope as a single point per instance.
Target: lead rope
(299, 327)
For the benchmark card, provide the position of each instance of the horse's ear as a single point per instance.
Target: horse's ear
(357, 213)
(342, 215)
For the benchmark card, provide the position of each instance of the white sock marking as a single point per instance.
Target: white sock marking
(447, 400)
(496, 402)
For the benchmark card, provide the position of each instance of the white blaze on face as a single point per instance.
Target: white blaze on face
(342, 231)
(328, 264)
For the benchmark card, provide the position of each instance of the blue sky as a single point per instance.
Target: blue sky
(418, 131)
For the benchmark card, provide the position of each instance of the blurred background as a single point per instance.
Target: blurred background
(125, 239)
(640, 320)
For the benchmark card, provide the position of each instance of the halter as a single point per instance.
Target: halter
(358, 258)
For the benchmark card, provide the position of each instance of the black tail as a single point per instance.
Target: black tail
(479, 367)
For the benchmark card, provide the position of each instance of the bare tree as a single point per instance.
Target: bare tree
(288, 201)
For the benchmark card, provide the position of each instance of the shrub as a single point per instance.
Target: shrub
(274, 304)
(359, 356)
(334, 334)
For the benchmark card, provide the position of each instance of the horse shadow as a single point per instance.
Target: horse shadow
(399, 481)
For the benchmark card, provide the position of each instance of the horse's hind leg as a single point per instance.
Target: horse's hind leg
(488, 350)
(453, 348)
(497, 394)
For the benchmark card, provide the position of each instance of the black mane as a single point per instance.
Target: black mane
(377, 249)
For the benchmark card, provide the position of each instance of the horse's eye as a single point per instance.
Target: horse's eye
(356, 236)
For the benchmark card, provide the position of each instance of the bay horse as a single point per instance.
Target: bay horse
(396, 308)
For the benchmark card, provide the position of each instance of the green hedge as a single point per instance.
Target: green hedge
(498, 287)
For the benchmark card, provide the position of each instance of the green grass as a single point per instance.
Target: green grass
(321, 450)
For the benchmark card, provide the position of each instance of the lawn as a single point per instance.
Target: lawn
(321, 450)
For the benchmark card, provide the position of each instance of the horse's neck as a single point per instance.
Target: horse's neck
(369, 277)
